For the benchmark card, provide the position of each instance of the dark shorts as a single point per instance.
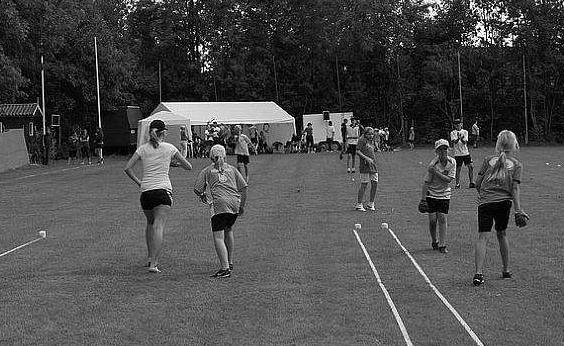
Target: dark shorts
(438, 205)
(467, 160)
(153, 198)
(351, 149)
(254, 140)
(309, 141)
(220, 222)
(242, 159)
(490, 212)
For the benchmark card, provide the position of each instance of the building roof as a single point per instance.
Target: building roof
(20, 110)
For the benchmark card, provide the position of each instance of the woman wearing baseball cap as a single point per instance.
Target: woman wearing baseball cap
(156, 188)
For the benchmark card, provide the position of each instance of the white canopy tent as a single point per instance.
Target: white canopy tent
(276, 123)
(173, 122)
(320, 126)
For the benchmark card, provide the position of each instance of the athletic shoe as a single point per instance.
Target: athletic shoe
(371, 206)
(435, 245)
(222, 273)
(154, 269)
(360, 207)
(478, 279)
(231, 266)
(457, 186)
(353, 170)
(472, 186)
(506, 275)
(443, 249)
(348, 170)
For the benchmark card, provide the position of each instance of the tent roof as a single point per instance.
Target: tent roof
(200, 113)
(168, 118)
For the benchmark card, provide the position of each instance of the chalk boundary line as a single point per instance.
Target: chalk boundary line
(386, 293)
(40, 174)
(426, 278)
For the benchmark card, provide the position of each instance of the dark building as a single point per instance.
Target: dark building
(27, 116)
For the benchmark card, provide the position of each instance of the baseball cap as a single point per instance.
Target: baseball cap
(157, 124)
(457, 121)
(440, 143)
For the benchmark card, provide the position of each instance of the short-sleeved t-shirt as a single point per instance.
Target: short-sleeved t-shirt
(460, 149)
(368, 148)
(352, 134)
(330, 131)
(495, 191)
(475, 130)
(242, 145)
(224, 188)
(436, 187)
(308, 131)
(156, 163)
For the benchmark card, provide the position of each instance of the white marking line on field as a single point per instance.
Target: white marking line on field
(388, 298)
(44, 173)
(19, 247)
(441, 297)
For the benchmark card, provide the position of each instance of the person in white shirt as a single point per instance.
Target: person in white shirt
(330, 134)
(353, 133)
(459, 140)
(156, 188)
(475, 133)
(242, 144)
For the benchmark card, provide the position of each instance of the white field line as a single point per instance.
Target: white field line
(44, 173)
(386, 294)
(441, 297)
(19, 247)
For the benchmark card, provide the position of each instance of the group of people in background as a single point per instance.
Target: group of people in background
(80, 146)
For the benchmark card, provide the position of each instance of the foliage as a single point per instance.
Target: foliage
(389, 62)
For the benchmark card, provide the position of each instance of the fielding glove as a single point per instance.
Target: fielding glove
(423, 207)
(521, 219)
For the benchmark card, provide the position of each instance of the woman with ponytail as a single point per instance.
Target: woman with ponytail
(498, 188)
(156, 188)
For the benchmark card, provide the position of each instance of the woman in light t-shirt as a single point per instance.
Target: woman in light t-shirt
(156, 189)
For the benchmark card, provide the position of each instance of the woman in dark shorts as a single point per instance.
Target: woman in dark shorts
(498, 186)
(156, 189)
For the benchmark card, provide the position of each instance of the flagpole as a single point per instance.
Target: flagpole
(460, 88)
(43, 93)
(97, 83)
(338, 84)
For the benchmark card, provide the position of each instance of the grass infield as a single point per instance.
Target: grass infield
(300, 276)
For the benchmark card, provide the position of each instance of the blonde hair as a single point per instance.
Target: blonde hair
(155, 137)
(506, 144)
(217, 151)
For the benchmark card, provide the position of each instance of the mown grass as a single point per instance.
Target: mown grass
(300, 276)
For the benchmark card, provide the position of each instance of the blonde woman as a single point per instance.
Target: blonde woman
(498, 187)
(156, 188)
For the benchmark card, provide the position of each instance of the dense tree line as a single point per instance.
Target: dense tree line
(393, 63)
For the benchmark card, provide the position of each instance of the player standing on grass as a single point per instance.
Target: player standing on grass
(228, 191)
(242, 144)
(353, 133)
(344, 137)
(498, 185)
(435, 193)
(366, 150)
(156, 189)
(459, 139)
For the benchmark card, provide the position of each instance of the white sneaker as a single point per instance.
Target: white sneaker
(371, 206)
(154, 269)
(348, 170)
(360, 207)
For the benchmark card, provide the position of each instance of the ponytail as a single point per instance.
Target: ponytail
(499, 171)
(154, 138)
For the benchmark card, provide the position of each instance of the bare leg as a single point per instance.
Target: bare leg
(148, 232)
(373, 188)
(221, 249)
(246, 173)
(503, 249)
(442, 222)
(457, 179)
(229, 240)
(361, 191)
(471, 173)
(154, 234)
(480, 251)
(433, 226)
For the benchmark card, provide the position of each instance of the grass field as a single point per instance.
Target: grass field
(300, 275)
